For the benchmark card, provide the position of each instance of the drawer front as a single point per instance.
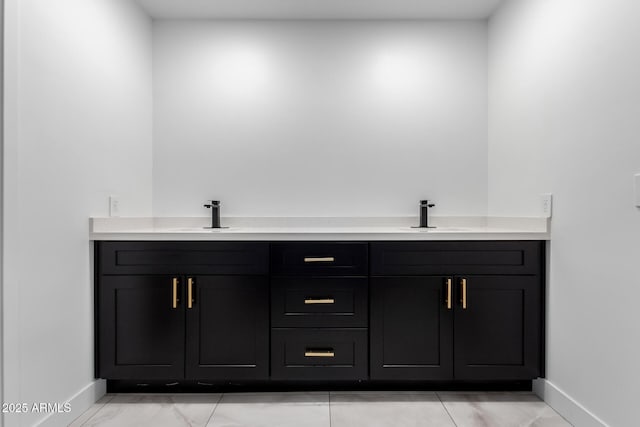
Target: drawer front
(319, 354)
(319, 259)
(183, 257)
(319, 302)
(418, 258)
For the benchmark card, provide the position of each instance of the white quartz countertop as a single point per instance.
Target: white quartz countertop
(319, 228)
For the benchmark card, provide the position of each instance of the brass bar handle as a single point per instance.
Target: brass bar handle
(464, 294)
(190, 293)
(174, 302)
(319, 259)
(308, 301)
(319, 353)
(449, 294)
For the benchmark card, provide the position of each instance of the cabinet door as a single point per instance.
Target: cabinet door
(498, 334)
(410, 329)
(140, 333)
(228, 328)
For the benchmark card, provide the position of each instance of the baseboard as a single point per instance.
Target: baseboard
(80, 402)
(566, 406)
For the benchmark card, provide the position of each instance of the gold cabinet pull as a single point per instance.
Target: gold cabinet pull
(449, 294)
(463, 300)
(319, 353)
(174, 302)
(308, 301)
(319, 259)
(190, 293)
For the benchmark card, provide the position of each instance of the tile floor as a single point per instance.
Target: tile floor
(323, 409)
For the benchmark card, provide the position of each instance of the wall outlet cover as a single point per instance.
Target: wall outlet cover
(546, 204)
(114, 206)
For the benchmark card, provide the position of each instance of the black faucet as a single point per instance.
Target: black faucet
(214, 205)
(424, 213)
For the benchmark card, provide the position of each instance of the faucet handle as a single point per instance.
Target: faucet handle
(426, 203)
(212, 204)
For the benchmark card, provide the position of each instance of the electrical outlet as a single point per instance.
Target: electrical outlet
(114, 206)
(545, 204)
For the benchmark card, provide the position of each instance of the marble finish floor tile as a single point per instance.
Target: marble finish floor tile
(272, 409)
(496, 409)
(157, 410)
(323, 409)
(384, 409)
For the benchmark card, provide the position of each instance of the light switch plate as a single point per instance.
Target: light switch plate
(637, 185)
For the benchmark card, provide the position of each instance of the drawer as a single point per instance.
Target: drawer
(419, 258)
(319, 259)
(319, 354)
(183, 257)
(319, 302)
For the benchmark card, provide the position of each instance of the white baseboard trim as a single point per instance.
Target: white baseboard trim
(80, 402)
(565, 405)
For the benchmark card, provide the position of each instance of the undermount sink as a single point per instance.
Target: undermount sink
(200, 229)
(439, 229)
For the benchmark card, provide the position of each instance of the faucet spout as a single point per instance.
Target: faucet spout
(214, 205)
(424, 213)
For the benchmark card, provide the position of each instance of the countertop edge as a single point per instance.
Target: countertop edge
(309, 236)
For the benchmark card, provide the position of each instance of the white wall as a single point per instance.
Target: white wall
(1, 181)
(317, 118)
(564, 108)
(78, 116)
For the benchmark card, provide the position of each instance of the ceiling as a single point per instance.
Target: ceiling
(320, 9)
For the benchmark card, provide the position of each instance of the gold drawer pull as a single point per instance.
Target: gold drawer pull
(319, 353)
(448, 294)
(319, 259)
(319, 301)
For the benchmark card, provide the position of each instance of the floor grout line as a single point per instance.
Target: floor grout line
(557, 413)
(97, 410)
(214, 410)
(446, 409)
(329, 408)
